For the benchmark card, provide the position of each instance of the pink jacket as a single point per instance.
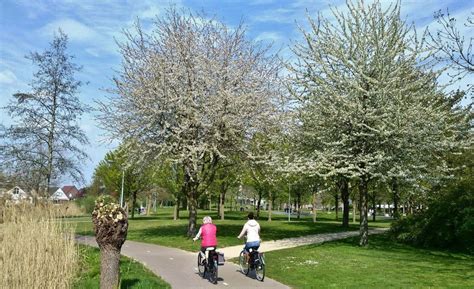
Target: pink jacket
(208, 232)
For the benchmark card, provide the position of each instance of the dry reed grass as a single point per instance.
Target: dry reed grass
(68, 209)
(36, 250)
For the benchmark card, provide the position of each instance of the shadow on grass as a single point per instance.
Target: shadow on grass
(129, 283)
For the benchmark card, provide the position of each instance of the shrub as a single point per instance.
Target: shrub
(447, 223)
(86, 203)
(37, 249)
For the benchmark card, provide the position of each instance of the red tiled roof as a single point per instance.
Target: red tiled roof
(71, 190)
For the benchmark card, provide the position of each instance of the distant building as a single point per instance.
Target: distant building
(16, 194)
(66, 193)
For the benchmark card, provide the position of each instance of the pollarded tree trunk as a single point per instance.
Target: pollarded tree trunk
(109, 267)
(364, 226)
(110, 226)
(345, 201)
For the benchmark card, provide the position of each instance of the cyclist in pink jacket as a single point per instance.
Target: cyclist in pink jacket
(207, 232)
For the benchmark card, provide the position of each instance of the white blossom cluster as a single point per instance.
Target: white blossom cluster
(191, 90)
(368, 104)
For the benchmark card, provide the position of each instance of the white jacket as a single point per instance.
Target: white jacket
(252, 229)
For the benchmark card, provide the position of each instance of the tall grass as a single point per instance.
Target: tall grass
(36, 250)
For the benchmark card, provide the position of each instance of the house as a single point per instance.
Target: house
(66, 193)
(16, 194)
(71, 192)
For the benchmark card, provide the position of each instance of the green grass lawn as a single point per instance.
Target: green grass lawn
(161, 229)
(133, 274)
(383, 264)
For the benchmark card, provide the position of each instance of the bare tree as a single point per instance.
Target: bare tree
(452, 46)
(45, 138)
(192, 90)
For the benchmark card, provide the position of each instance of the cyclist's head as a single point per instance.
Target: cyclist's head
(250, 216)
(207, 220)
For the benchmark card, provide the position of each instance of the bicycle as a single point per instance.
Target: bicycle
(254, 261)
(208, 266)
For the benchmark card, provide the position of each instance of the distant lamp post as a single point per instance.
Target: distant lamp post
(123, 177)
(121, 193)
(289, 202)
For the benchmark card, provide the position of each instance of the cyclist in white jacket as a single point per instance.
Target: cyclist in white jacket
(252, 230)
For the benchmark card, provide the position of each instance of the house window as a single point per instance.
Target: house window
(16, 191)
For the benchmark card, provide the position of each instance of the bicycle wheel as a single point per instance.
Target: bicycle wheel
(201, 264)
(213, 273)
(244, 265)
(260, 268)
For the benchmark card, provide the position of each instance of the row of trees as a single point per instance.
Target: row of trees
(198, 107)
(363, 107)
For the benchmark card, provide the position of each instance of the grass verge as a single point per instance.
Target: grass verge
(162, 230)
(133, 274)
(383, 264)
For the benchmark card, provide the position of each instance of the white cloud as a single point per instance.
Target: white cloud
(76, 30)
(7, 77)
(269, 36)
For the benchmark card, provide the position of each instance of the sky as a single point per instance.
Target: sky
(94, 26)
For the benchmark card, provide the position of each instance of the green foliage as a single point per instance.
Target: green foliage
(447, 223)
(87, 203)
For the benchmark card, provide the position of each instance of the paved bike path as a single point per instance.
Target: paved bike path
(179, 267)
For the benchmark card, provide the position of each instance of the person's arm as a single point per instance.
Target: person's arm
(197, 235)
(244, 230)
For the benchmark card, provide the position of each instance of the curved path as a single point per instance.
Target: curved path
(178, 267)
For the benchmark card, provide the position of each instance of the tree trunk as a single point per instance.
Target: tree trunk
(374, 207)
(336, 200)
(148, 204)
(270, 205)
(315, 196)
(364, 227)
(176, 209)
(396, 197)
(353, 211)
(192, 204)
(258, 203)
(109, 267)
(221, 203)
(298, 206)
(134, 202)
(345, 201)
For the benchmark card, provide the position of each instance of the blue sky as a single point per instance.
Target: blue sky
(92, 26)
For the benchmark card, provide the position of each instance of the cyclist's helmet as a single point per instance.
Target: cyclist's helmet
(207, 220)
